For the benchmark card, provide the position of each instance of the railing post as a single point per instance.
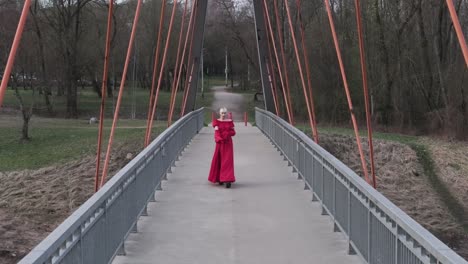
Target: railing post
(350, 230)
(369, 232)
(324, 211)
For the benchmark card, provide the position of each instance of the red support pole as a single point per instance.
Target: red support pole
(187, 87)
(103, 94)
(272, 85)
(279, 28)
(348, 95)
(176, 72)
(189, 32)
(267, 17)
(188, 78)
(121, 89)
(271, 74)
(14, 48)
(301, 73)
(366, 90)
(213, 116)
(150, 124)
(458, 30)
(309, 84)
(155, 66)
(230, 115)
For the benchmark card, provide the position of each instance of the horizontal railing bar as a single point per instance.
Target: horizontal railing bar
(90, 212)
(359, 189)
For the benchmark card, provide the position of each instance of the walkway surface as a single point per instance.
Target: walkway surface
(234, 102)
(266, 216)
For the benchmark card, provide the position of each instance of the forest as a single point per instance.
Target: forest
(416, 71)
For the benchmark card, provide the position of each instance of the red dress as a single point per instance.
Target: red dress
(222, 165)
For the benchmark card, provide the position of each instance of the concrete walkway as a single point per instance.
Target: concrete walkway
(266, 217)
(235, 103)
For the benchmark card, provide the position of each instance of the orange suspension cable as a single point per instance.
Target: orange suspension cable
(119, 99)
(272, 85)
(301, 73)
(309, 84)
(348, 96)
(177, 62)
(279, 28)
(14, 48)
(188, 77)
(458, 29)
(179, 70)
(103, 94)
(272, 74)
(189, 81)
(366, 90)
(150, 124)
(155, 66)
(288, 110)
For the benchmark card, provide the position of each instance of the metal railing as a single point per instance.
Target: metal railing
(376, 229)
(96, 231)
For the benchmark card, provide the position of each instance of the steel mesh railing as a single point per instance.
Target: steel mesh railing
(376, 229)
(96, 231)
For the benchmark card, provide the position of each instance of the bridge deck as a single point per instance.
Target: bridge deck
(266, 217)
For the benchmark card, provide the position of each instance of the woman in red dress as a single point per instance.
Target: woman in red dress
(222, 165)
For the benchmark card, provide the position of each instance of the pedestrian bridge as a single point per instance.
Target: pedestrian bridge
(293, 202)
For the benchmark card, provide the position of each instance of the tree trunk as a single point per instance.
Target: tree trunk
(26, 114)
(25, 129)
(387, 79)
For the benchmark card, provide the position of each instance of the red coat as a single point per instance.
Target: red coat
(222, 165)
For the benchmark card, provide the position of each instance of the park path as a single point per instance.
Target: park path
(235, 103)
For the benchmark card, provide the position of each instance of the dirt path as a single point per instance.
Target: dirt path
(235, 103)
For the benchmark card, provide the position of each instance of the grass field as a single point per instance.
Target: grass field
(134, 100)
(58, 140)
(405, 139)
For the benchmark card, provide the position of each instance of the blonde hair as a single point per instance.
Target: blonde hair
(223, 109)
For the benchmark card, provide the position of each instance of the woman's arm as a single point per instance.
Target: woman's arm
(218, 137)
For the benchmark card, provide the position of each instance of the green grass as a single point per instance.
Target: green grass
(404, 139)
(215, 81)
(89, 103)
(57, 141)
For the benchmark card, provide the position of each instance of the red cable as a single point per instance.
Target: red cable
(155, 67)
(14, 48)
(285, 68)
(458, 30)
(366, 90)
(301, 73)
(348, 96)
(103, 94)
(272, 85)
(177, 62)
(176, 86)
(266, 14)
(271, 75)
(187, 89)
(309, 84)
(121, 89)
(188, 78)
(150, 125)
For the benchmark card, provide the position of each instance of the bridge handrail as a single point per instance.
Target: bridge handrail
(96, 231)
(376, 229)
